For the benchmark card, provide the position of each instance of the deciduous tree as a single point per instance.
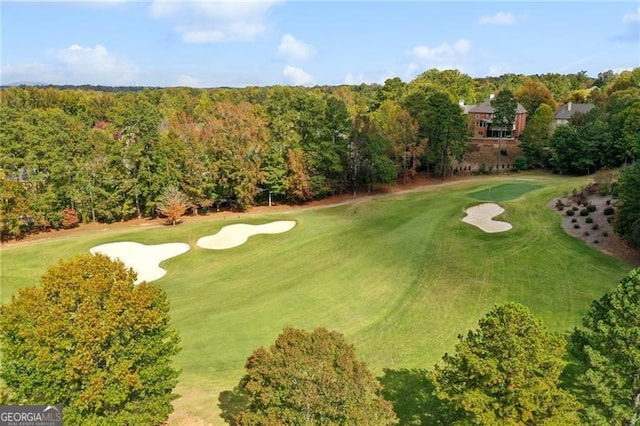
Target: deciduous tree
(506, 373)
(173, 204)
(91, 340)
(504, 115)
(534, 93)
(311, 378)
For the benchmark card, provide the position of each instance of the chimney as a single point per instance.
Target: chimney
(491, 96)
(569, 106)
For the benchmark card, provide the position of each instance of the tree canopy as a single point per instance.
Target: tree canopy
(311, 378)
(506, 372)
(628, 220)
(611, 345)
(91, 340)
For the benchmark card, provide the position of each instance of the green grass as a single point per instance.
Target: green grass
(504, 192)
(400, 276)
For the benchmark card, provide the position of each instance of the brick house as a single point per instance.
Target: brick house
(480, 118)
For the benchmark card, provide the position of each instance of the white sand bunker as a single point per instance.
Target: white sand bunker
(481, 216)
(143, 259)
(238, 234)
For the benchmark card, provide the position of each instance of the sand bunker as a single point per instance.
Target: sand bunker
(143, 259)
(238, 234)
(481, 216)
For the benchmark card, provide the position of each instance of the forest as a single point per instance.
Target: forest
(96, 154)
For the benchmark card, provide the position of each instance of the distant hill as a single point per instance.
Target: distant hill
(25, 83)
(80, 87)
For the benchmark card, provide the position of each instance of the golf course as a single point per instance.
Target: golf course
(400, 275)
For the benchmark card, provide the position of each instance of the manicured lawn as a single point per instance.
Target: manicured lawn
(400, 276)
(504, 192)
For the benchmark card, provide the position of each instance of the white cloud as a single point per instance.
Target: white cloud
(27, 73)
(188, 81)
(293, 49)
(632, 17)
(498, 70)
(76, 65)
(297, 76)
(500, 18)
(214, 21)
(354, 79)
(200, 36)
(96, 64)
(443, 53)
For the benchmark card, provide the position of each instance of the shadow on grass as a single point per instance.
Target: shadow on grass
(412, 393)
(231, 404)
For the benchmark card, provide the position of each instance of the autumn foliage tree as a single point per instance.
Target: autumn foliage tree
(89, 339)
(311, 378)
(506, 373)
(173, 204)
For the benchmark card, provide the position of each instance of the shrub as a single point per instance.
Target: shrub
(605, 234)
(586, 233)
(522, 163)
(591, 207)
(574, 208)
(589, 220)
(603, 191)
(595, 241)
(576, 226)
(559, 204)
(569, 212)
(574, 220)
(610, 219)
(595, 226)
(608, 202)
(584, 212)
(608, 211)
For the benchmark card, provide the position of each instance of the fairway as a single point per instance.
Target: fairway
(401, 276)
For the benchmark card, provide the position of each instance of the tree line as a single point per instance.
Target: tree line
(70, 155)
(89, 339)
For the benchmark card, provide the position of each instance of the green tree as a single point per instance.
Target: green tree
(568, 153)
(398, 127)
(457, 85)
(370, 155)
(88, 339)
(504, 115)
(628, 219)
(506, 372)
(442, 125)
(611, 346)
(535, 137)
(311, 378)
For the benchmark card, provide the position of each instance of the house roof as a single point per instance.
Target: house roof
(486, 108)
(566, 111)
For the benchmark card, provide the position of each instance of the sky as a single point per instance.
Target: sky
(241, 43)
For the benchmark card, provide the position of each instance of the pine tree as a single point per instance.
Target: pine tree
(506, 373)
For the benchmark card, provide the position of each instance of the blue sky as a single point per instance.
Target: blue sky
(242, 43)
